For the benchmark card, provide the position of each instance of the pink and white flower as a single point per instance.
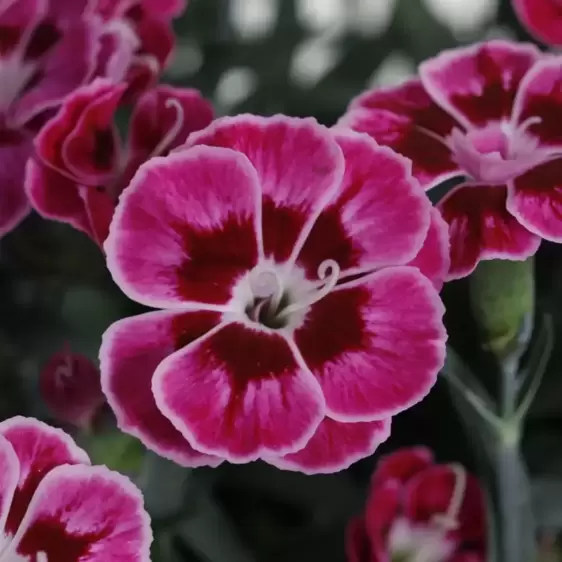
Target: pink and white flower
(70, 387)
(419, 511)
(490, 112)
(81, 166)
(543, 18)
(293, 327)
(54, 506)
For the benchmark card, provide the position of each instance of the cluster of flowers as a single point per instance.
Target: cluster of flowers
(294, 269)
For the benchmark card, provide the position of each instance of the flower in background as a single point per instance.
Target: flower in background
(542, 18)
(55, 506)
(292, 327)
(70, 386)
(491, 113)
(81, 166)
(419, 511)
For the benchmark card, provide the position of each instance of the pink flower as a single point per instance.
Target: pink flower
(150, 20)
(292, 327)
(81, 166)
(55, 506)
(490, 112)
(70, 386)
(543, 18)
(419, 511)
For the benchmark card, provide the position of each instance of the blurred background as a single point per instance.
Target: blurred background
(299, 57)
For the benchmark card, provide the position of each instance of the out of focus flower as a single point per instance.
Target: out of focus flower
(70, 386)
(293, 327)
(54, 506)
(490, 112)
(543, 19)
(419, 511)
(81, 166)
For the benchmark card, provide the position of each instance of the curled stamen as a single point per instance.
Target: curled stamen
(450, 520)
(524, 127)
(329, 272)
(175, 129)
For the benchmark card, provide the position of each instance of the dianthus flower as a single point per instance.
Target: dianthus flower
(55, 507)
(81, 166)
(420, 511)
(292, 327)
(543, 18)
(490, 112)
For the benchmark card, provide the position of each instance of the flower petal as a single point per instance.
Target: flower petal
(478, 84)
(55, 197)
(240, 394)
(186, 228)
(402, 465)
(380, 216)
(100, 208)
(158, 112)
(14, 206)
(335, 446)
(540, 98)
(481, 228)
(357, 543)
(388, 356)
(433, 260)
(39, 448)
(407, 120)
(543, 18)
(165, 8)
(66, 68)
(535, 200)
(85, 513)
(299, 166)
(131, 351)
(9, 478)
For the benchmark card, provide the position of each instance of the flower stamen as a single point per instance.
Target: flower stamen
(175, 129)
(450, 520)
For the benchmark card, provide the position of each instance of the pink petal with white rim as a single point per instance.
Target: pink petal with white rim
(39, 448)
(481, 228)
(9, 478)
(540, 99)
(131, 351)
(407, 120)
(164, 117)
(299, 166)
(389, 354)
(335, 446)
(66, 68)
(543, 18)
(380, 216)
(402, 465)
(434, 260)
(186, 228)
(478, 84)
(240, 393)
(54, 196)
(85, 514)
(14, 206)
(535, 200)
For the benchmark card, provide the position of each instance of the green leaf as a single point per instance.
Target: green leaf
(117, 451)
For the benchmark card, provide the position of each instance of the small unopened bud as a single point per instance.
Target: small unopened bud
(70, 386)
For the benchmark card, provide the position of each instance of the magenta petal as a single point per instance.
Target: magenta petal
(357, 543)
(335, 446)
(14, 206)
(65, 69)
(299, 166)
(186, 228)
(39, 448)
(540, 99)
(380, 216)
(433, 260)
(85, 513)
(240, 394)
(402, 465)
(478, 84)
(384, 506)
(164, 117)
(481, 228)
(9, 478)
(131, 351)
(164, 8)
(389, 354)
(543, 18)
(535, 199)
